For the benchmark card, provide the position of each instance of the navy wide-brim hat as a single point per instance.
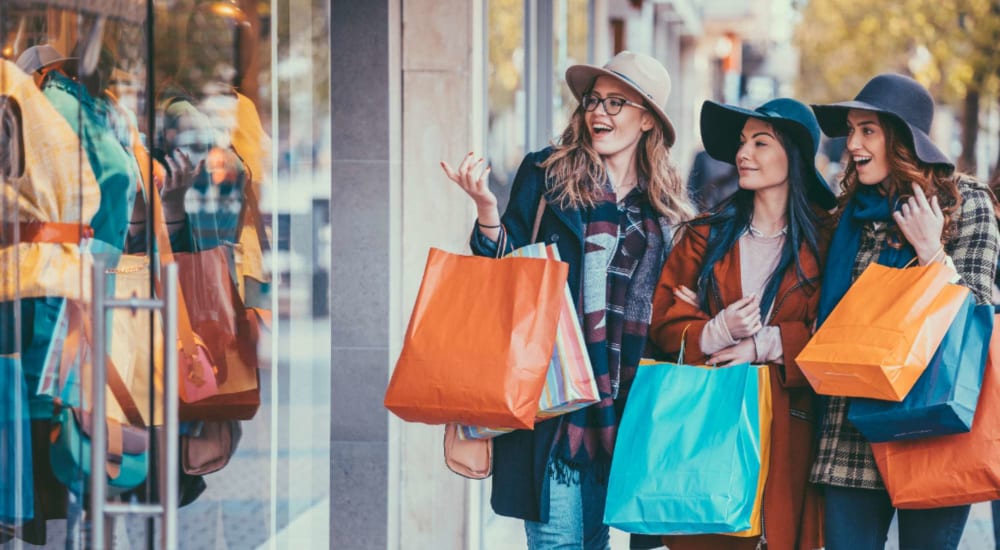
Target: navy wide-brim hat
(721, 126)
(898, 96)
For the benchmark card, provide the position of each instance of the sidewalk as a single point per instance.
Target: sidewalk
(508, 534)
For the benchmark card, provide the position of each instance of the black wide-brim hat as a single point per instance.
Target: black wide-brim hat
(721, 126)
(900, 97)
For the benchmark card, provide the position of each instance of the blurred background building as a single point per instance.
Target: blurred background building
(419, 81)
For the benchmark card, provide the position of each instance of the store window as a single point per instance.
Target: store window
(506, 94)
(553, 36)
(571, 45)
(132, 145)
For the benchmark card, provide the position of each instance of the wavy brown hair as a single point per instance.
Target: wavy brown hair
(904, 168)
(577, 171)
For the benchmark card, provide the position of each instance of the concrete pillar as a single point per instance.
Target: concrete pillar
(362, 168)
(441, 119)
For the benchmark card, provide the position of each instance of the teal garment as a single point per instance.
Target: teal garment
(17, 497)
(106, 137)
(69, 456)
(40, 319)
(45, 317)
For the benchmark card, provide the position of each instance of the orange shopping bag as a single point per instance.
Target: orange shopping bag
(882, 335)
(479, 341)
(949, 470)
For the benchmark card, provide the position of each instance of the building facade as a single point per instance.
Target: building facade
(336, 115)
(420, 81)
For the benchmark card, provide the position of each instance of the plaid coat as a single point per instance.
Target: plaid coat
(844, 458)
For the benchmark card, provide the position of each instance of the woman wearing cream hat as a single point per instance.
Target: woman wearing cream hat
(607, 195)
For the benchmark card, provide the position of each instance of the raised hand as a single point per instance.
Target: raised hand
(473, 180)
(475, 183)
(922, 223)
(181, 174)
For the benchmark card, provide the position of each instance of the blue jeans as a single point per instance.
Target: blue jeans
(858, 519)
(576, 517)
(996, 523)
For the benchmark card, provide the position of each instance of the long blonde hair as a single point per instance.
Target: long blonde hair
(577, 171)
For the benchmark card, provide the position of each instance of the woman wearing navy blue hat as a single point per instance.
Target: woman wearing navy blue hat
(742, 285)
(902, 200)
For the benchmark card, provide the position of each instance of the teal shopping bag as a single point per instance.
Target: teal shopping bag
(692, 451)
(943, 401)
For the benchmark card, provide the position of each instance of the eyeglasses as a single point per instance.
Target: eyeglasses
(612, 105)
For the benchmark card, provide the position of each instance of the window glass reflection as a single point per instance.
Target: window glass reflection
(505, 84)
(570, 33)
(113, 154)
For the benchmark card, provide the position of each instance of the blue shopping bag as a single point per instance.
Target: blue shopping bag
(691, 451)
(943, 401)
(17, 502)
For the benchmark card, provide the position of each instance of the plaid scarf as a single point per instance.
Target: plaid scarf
(623, 254)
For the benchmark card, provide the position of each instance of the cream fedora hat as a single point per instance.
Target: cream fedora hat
(642, 73)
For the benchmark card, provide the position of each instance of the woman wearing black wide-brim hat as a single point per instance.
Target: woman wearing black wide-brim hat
(902, 200)
(742, 285)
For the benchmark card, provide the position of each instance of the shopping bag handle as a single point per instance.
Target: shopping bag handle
(502, 239)
(680, 353)
(932, 260)
(251, 209)
(501, 242)
(538, 219)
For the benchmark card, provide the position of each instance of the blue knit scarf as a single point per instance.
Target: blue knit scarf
(867, 205)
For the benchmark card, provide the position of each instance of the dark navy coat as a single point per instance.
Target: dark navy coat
(520, 458)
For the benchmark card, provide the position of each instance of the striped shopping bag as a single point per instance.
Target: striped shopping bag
(569, 384)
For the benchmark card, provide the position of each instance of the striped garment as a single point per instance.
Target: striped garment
(625, 245)
(845, 458)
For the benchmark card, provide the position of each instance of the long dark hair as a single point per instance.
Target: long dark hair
(732, 219)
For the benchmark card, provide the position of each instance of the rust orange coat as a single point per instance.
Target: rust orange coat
(792, 506)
